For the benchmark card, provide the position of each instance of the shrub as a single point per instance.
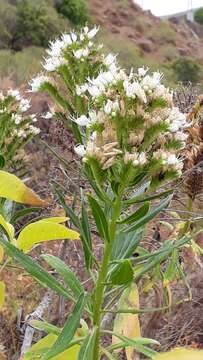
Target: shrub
(8, 19)
(199, 16)
(187, 70)
(163, 33)
(37, 22)
(74, 10)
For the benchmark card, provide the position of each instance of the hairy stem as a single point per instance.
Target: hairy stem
(100, 286)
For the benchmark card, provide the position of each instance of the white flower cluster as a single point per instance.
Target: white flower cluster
(18, 125)
(126, 118)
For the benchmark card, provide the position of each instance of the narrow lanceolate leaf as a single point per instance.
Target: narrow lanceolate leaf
(137, 215)
(18, 215)
(100, 219)
(68, 276)
(42, 346)
(86, 237)
(68, 331)
(44, 230)
(13, 188)
(2, 294)
(45, 326)
(122, 274)
(87, 347)
(145, 219)
(69, 212)
(180, 354)
(7, 228)
(128, 324)
(34, 269)
(125, 244)
(1, 253)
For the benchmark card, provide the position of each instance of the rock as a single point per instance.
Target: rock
(145, 45)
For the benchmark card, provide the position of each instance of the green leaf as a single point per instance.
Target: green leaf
(42, 346)
(145, 219)
(69, 212)
(137, 215)
(68, 331)
(44, 230)
(87, 347)
(139, 199)
(14, 189)
(86, 237)
(69, 277)
(100, 219)
(22, 213)
(125, 244)
(8, 228)
(34, 269)
(45, 326)
(123, 273)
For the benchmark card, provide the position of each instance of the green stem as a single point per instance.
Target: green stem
(100, 287)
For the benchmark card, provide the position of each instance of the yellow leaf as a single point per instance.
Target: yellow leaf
(44, 230)
(2, 294)
(46, 343)
(180, 354)
(56, 219)
(8, 227)
(13, 188)
(1, 253)
(128, 324)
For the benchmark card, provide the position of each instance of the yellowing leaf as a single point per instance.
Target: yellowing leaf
(128, 324)
(2, 294)
(46, 343)
(57, 219)
(8, 227)
(180, 354)
(44, 230)
(1, 253)
(13, 188)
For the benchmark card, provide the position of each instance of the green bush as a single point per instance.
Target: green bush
(199, 16)
(187, 70)
(74, 10)
(163, 33)
(37, 22)
(8, 20)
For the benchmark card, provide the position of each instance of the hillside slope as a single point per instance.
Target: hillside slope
(157, 39)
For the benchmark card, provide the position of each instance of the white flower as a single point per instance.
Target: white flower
(21, 133)
(53, 63)
(93, 32)
(14, 93)
(48, 115)
(66, 38)
(111, 106)
(109, 59)
(81, 89)
(37, 82)
(55, 48)
(134, 89)
(142, 71)
(16, 118)
(34, 130)
(82, 120)
(73, 36)
(80, 150)
(94, 91)
(24, 105)
(78, 53)
(151, 82)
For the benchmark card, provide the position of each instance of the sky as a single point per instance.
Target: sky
(165, 7)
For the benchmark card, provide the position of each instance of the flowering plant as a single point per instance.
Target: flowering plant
(129, 135)
(16, 127)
